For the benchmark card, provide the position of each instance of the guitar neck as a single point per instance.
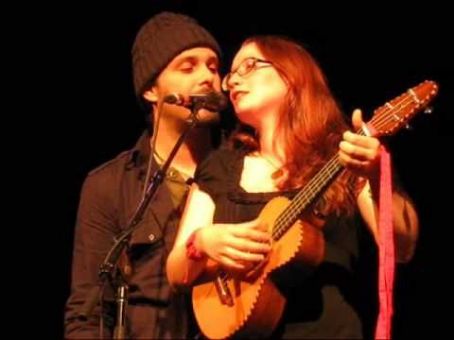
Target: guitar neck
(306, 196)
(386, 120)
(312, 190)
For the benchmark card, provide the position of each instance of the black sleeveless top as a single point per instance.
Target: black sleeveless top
(338, 299)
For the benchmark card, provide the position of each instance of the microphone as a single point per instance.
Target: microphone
(212, 101)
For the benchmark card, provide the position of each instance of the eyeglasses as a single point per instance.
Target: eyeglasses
(246, 67)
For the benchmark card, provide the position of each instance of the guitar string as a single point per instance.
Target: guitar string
(412, 95)
(289, 214)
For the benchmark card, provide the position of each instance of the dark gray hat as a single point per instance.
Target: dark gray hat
(162, 38)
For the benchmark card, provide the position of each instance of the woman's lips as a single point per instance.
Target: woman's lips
(236, 95)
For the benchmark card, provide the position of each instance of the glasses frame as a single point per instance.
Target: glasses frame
(246, 67)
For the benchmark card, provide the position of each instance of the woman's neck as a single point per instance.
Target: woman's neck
(270, 140)
(271, 146)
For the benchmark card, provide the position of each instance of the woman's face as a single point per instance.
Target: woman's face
(256, 88)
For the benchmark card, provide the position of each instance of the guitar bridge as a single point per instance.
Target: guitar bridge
(223, 291)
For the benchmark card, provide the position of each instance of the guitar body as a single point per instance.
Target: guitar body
(257, 303)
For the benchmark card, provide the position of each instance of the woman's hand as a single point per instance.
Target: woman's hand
(235, 246)
(360, 154)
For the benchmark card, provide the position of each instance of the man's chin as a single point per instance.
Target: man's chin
(205, 117)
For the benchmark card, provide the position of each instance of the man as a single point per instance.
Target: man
(172, 53)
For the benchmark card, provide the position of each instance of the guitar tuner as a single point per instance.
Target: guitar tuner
(428, 110)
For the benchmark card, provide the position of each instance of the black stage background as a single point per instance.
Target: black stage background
(369, 58)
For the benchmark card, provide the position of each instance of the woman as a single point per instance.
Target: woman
(291, 127)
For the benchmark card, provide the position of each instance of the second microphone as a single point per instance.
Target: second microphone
(212, 101)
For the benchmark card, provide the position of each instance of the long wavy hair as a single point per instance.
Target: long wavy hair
(310, 122)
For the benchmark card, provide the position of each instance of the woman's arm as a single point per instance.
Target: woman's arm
(361, 155)
(198, 212)
(233, 246)
(405, 219)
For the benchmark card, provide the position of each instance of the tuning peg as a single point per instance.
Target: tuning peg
(428, 110)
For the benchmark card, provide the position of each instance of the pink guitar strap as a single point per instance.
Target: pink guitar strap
(386, 249)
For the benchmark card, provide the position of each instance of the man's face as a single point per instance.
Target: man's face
(194, 71)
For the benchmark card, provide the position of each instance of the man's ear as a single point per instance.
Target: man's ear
(151, 95)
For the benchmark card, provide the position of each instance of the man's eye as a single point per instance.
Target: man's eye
(213, 68)
(186, 67)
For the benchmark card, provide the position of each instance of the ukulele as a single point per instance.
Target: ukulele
(252, 305)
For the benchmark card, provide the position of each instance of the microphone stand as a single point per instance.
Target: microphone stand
(108, 269)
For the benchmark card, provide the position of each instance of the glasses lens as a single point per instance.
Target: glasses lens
(246, 67)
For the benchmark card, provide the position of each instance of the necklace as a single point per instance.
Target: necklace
(269, 161)
(278, 171)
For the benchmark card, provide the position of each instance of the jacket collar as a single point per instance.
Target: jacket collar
(139, 156)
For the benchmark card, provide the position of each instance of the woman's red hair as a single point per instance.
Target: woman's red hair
(310, 122)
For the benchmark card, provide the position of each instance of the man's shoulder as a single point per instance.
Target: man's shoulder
(113, 165)
(125, 160)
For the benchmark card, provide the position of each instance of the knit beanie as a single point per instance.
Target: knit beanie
(161, 39)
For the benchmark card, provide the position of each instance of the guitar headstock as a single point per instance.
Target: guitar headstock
(390, 117)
